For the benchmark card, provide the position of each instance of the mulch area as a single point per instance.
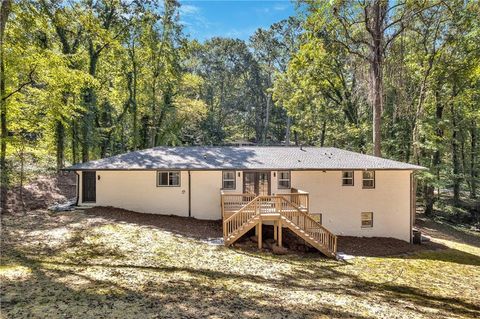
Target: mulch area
(185, 226)
(203, 229)
(380, 246)
(48, 190)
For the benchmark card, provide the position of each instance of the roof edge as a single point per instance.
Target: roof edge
(69, 169)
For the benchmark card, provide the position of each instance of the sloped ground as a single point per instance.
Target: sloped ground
(92, 265)
(42, 192)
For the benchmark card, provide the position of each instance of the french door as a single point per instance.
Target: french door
(256, 182)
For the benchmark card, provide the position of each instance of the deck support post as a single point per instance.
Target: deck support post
(275, 236)
(259, 236)
(279, 235)
(256, 230)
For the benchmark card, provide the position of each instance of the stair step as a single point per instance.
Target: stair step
(306, 234)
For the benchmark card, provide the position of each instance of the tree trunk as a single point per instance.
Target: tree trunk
(428, 194)
(473, 160)
(22, 174)
(267, 120)
(74, 142)
(135, 109)
(60, 141)
(267, 115)
(322, 135)
(436, 158)
(152, 120)
(167, 104)
(455, 159)
(90, 105)
(132, 89)
(287, 131)
(376, 72)
(5, 11)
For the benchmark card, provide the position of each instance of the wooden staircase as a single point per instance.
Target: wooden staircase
(281, 209)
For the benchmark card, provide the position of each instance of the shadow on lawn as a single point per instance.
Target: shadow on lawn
(51, 287)
(449, 255)
(387, 292)
(198, 296)
(45, 294)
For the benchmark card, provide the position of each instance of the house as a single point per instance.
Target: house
(318, 193)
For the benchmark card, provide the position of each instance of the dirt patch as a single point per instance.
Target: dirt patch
(204, 229)
(356, 246)
(42, 192)
(380, 246)
(186, 226)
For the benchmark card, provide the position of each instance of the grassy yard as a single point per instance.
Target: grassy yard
(84, 265)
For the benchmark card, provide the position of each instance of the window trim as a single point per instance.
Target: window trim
(368, 179)
(169, 172)
(362, 219)
(346, 178)
(283, 179)
(234, 180)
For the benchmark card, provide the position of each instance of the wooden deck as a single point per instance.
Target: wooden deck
(232, 203)
(242, 212)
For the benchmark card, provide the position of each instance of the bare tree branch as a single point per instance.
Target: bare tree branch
(21, 86)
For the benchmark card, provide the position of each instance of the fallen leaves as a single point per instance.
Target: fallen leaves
(83, 264)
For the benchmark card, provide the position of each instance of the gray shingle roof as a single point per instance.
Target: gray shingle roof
(256, 157)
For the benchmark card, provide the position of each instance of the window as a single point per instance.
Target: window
(284, 179)
(368, 179)
(347, 178)
(367, 220)
(168, 179)
(228, 180)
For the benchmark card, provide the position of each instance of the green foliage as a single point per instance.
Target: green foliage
(89, 79)
(431, 87)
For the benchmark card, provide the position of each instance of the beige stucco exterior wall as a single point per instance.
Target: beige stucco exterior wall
(138, 191)
(341, 206)
(206, 186)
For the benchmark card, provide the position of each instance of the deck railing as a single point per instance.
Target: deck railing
(297, 197)
(311, 226)
(233, 202)
(266, 205)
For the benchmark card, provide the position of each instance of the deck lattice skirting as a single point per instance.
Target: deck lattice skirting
(242, 212)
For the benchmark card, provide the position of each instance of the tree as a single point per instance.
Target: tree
(4, 14)
(69, 32)
(367, 29)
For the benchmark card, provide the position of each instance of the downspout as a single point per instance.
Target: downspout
(78, 188)
(189, 194)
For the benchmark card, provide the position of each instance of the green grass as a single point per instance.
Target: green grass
(76, 265)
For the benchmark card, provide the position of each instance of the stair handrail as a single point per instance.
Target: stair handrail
(330, 240)
(226, 229)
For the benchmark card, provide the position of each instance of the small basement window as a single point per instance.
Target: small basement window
(367, 219)
(347, 178)
(168, 179)
(283, 179)
(228, 180)
(369, 179)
